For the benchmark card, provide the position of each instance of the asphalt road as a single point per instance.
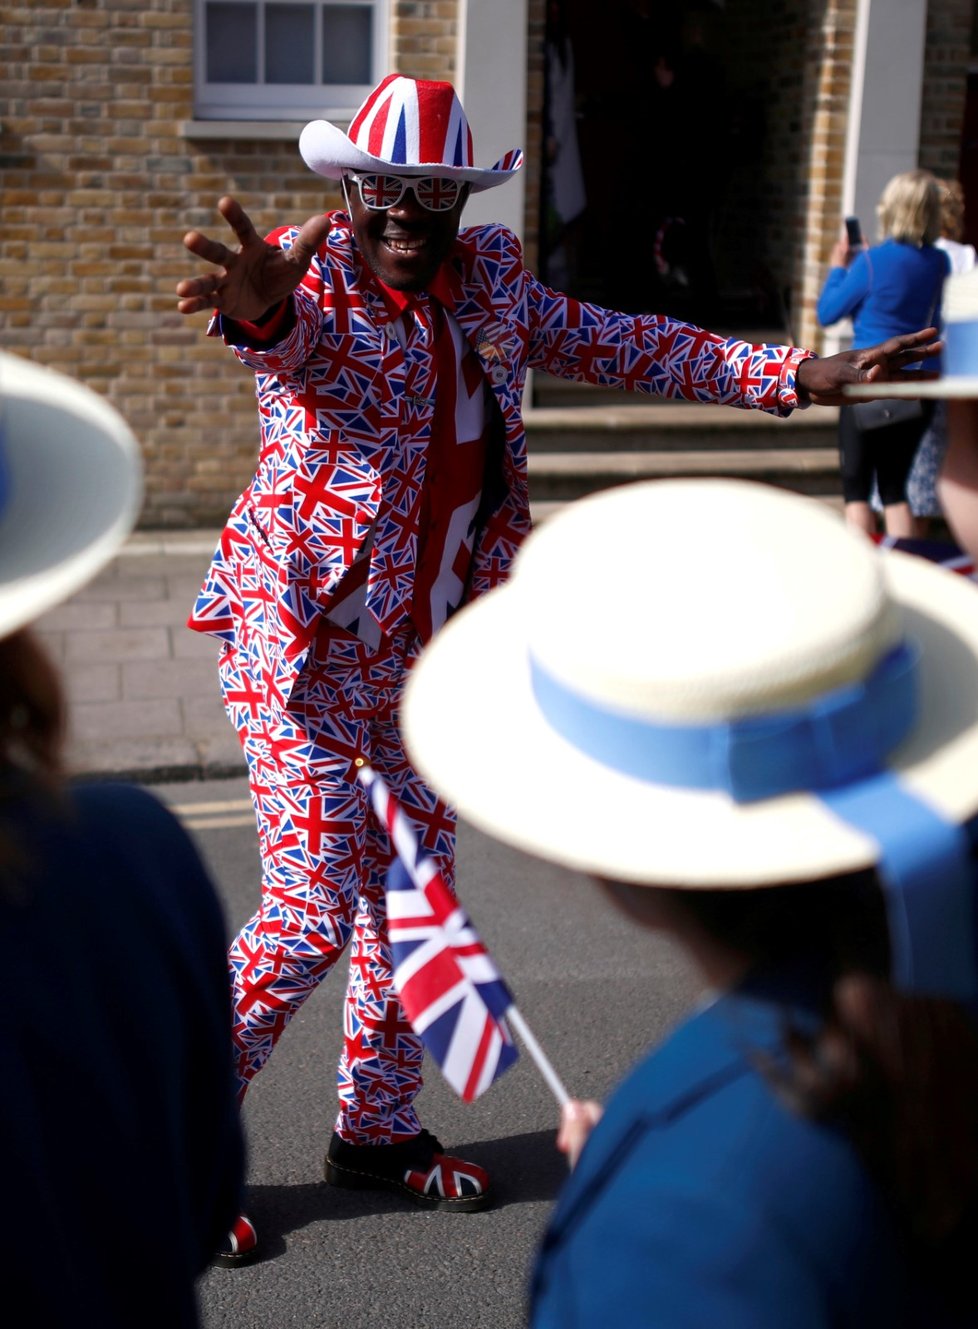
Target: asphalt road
(595, 992)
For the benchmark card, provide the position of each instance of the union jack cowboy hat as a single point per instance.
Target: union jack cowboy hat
(406, 126)
(70, 488)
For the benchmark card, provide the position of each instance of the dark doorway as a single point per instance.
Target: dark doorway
(659, 124)
(968, 168)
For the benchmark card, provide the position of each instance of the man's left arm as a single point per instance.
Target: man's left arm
(668, 358)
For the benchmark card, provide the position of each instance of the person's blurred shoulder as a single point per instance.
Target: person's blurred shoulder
(107, 851)
(108, 802)
(129, 828)
(962, 257)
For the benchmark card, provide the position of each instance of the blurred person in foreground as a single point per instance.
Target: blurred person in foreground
(123, 1155)
(887, 289)
(957, 485)
(390, 348)
(788, 788)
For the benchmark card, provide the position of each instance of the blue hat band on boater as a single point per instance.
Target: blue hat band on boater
(841, 736)
(835, 748)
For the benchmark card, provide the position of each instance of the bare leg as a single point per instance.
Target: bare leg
(898, 520)
(861, 515)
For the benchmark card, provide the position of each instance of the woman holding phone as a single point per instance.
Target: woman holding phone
(891, 287)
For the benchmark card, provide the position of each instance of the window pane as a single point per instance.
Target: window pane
(289, 34)
(232, 43)
(347, 39)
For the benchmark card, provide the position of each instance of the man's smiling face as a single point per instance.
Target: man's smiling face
(406, 244)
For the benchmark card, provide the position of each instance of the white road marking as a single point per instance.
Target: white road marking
(218, 816)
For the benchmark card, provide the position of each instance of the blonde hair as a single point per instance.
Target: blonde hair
(952, 208)
(910, 209)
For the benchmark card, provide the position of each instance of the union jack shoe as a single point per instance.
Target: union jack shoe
(240, 1246)
(417, 1168)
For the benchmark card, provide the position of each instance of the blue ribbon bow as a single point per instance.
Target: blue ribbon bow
(834, 747)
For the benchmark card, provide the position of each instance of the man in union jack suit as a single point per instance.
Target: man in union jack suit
(390, 351)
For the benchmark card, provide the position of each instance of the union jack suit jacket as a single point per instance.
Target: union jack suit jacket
(334, 480)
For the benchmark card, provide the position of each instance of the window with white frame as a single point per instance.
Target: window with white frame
(286, 59)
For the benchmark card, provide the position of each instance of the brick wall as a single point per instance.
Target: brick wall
(829, 50)
(99, 185)
(533, 143)
(946, 58)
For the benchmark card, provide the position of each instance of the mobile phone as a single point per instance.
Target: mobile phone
(854, 232)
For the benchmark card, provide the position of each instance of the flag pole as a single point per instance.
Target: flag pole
(544, 1066)
(404, 840)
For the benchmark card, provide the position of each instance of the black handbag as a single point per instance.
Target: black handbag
(883, 411)
(876, 414)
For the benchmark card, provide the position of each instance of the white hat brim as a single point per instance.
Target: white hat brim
(71, 488)
(473, 729)
(330, 153)
(960, 386)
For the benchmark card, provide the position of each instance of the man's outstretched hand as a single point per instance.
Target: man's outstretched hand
(821, 381)
(250, 280)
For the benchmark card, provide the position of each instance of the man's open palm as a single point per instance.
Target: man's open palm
(249, 280)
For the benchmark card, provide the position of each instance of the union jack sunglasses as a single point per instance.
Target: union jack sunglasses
(379, 192)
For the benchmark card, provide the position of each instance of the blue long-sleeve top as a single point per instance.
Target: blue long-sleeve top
(892, 288)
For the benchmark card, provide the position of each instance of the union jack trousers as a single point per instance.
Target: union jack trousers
(324, 861)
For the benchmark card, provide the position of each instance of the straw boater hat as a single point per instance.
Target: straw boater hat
(70, 488)
(718, 684)
(405, 127)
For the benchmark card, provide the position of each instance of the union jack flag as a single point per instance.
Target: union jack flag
(450, 989)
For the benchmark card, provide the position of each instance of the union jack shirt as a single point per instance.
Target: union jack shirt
(341, 479)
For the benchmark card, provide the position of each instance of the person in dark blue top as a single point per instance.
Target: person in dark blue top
(892, 287)
(122, 1148)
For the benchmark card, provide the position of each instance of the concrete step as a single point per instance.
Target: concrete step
(562, 476)
(586, 438)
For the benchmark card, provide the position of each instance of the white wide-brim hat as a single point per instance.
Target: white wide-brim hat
(675, 626)
(406, 127)
(70, 488)
(945, 387)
